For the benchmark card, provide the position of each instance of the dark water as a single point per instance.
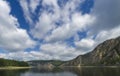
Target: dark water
(84, 71)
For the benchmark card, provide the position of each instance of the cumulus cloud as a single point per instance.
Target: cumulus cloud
(29, 7)
(48, 51)
(56, 23)
(105, 26)
(52, 13)
(24, 56)
(12, 38)
(79, 22)
(33, 5)
(25, 8)
(43, 26)
(85, 44)
(60, 50)
(108, 34)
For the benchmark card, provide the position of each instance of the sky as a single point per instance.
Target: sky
(55, 29)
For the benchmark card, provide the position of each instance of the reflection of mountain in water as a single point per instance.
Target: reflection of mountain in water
(66, 71)
(46, 70)
(94, 71)
(83, 71)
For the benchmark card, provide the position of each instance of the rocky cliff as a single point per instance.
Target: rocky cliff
(106, 53)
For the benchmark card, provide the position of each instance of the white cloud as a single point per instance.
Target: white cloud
(79, 22)
(108, 34)
(33, 5)
(18, 56)
(88, 44)
(29, 9)
(60, 50)
(46, 29)
(103, 21)
(42, 55)
(12, 38)
(25, 6)
(60, 33)
(85, 44)
(2, 55)
(50, 2)
(46, 20)
(43, 26)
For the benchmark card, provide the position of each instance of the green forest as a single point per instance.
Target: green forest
(7, 62)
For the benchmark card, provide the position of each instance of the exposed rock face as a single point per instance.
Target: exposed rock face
(106, 53)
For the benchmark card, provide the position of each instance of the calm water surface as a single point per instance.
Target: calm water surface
(84, 71)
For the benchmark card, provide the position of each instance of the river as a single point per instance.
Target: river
(83, 71)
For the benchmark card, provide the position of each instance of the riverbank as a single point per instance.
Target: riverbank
(93, 66)
(12, 68)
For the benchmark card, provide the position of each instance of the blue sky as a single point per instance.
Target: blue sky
(55, 29)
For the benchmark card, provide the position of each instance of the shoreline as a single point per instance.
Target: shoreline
(91, 66)
(17, 67)
(13, 68)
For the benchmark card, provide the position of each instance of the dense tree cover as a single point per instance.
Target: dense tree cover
(6, 62)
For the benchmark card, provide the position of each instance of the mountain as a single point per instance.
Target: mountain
(7, 62)
(45, 63)
(105, 54)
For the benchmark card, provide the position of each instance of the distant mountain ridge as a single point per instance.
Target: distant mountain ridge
(106, 53)
(45, 63)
